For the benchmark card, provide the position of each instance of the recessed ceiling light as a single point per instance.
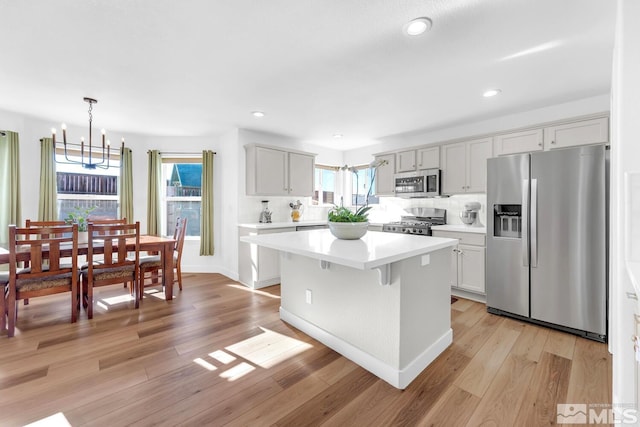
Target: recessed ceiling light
(491, 92)
(257, 114)
(417, 26)
(337, 135)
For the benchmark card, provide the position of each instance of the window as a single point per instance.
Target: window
(86, 188)
(183, 194)
(360, 183)
(324, 185)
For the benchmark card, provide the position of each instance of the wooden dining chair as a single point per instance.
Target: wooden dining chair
(31, 223)
(40, 278)
(151, 265)
(116, 266)
(4, 288)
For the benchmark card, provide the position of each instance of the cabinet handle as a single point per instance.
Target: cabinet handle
(539, 144)
(553, 142)
(632, 295)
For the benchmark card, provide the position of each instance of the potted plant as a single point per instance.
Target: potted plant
(351, 225)
(80, 216)
(345, 224)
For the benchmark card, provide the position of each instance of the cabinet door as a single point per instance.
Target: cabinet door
(454, 179)
(478, 152)
(271, 171)
(406, 161)
(301, 174)
(385, 184)
(578, 133)
(518, 142)
(428, 158)
(471, 268)
(453, 273)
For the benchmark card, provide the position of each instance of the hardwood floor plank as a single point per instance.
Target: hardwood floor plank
(479, 373)
(560, 343)
(504, 397)
(531, 342)
(589, 370)
(322, 406)
(473, 338)
(427, 388)
(452, 409)
(548, 388)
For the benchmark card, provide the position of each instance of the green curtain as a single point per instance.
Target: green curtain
(126, 185)
(206, 216)
(48, 206)
(153, 193)
(10, 209)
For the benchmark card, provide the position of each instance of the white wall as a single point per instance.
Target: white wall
(625, 203)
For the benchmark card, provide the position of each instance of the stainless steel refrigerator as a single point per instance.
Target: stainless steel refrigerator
(547, 232)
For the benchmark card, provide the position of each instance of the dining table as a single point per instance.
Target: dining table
(162, 245)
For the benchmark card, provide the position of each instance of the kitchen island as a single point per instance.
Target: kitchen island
(382, 301)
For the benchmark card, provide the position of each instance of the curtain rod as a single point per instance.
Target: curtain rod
(178, 153)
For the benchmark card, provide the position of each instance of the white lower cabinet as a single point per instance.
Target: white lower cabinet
(259, 267)
(468, 262)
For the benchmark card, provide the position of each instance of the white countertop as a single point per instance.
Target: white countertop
(461, 228)
(375, 249)
(283, 224)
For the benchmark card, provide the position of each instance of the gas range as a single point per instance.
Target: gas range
(419, 225)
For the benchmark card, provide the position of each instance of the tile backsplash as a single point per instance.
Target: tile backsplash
(392, 208)
(389, 209)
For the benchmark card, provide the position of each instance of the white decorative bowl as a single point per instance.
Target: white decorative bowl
(348, 230)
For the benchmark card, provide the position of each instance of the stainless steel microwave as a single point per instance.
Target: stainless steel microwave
(422, 183)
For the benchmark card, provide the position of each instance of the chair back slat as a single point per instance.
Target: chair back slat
(113, 238)
(50, 239)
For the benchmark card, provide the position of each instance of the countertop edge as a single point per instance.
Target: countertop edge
(360, 265)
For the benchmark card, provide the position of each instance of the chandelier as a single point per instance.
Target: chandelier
(91, 156)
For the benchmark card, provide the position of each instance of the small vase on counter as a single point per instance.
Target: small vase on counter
(296, 211)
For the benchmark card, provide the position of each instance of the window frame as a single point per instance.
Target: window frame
(190, 158)
(318, 186)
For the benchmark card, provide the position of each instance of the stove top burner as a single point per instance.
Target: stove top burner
(414, 225)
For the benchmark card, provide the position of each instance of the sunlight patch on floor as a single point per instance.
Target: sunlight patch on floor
(222, 357)
(269, 348)
(237, 371)
(55, 420)
(116, 300)
(254, 291)
(264, 350)
(208, 366)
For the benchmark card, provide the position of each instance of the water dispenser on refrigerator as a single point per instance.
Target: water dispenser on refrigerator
(507, 221)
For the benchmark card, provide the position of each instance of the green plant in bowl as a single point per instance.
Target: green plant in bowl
(342, 214)
(80, 216)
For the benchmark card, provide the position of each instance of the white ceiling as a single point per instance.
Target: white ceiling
(315, 67)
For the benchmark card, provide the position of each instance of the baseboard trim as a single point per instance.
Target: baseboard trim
(399, 378)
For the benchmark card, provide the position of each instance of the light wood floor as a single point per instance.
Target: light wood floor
(218, 354)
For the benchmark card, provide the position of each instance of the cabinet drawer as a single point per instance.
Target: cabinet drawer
(464, 238)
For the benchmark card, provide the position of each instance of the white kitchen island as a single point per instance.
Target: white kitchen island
(382, 301)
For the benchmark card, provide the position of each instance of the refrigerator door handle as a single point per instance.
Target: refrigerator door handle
(525, 222)
(534, 223)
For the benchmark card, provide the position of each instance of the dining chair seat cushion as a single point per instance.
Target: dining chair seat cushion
(109, 273)
(27, 285)
(153, 261)
(150, 261)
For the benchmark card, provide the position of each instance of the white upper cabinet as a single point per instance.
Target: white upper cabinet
(584, 132)
(385, 183)
(301, 169)
(428, 158)
(464, 166)
(272, 171)
(422, 158)
(518, 142)
(406, 161)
